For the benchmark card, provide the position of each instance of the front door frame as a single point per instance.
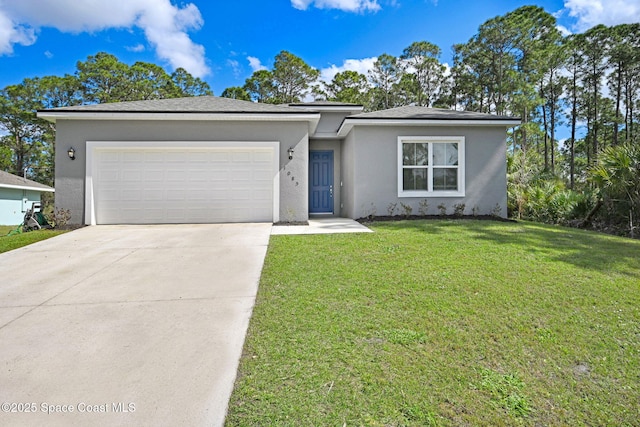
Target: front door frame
(328, 188)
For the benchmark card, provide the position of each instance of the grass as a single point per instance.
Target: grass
(8, 243)
(444, 323)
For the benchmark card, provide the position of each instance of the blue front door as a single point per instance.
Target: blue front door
(320, 181)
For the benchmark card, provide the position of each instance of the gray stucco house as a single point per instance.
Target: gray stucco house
(209, 159)
(16, 196)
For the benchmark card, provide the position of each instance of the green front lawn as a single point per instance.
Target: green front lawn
(444, 323)
(15, 241)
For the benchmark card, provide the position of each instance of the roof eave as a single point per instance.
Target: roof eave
(26, 187)
(312, 118)
(349, 123)
(53, 115)
(353, 109)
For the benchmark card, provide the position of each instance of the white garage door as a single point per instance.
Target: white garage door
(178, 185)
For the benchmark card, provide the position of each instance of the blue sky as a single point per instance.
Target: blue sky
(223, 42)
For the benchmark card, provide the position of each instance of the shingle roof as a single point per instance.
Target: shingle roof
(425, 113)
(13, 181)
(195, 104)
(324, 104)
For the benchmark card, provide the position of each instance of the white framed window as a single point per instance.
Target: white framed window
(431, 166)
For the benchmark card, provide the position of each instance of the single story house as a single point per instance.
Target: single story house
(209, 159)
(16, 196)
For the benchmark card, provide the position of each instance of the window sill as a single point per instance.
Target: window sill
(431, 194)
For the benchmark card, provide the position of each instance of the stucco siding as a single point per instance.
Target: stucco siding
(347, 176)
(70, 174)
(375, 166)
(13, 206)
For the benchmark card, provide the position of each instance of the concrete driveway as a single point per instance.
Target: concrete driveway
(127, 325)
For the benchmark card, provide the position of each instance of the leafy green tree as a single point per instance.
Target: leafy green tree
(422, 61)
(405, 92)
(148, 81)
(551, 90)
(27, 135)
(292, 78)
(55, 91)
(236, 92)
(187, 85)
(594, 49)
(534, 37)
(617, 175)
(103, 79)
(6, 163)
(466, 90)
(260, 86)
(385, 76)
(488, 57)
(572, 65)
(502, 63)
(624, 80)
(631, 82)
(348, 86)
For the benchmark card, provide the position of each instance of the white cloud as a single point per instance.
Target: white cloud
(48, 54)
(590, 13)
(235, 66)
(362, 66)
(137, 48)
(165, 26)
(345, 5)
(12, 33)
(563, 30)
(255, 64)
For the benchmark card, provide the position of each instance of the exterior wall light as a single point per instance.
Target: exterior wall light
(290, 151)
(71, 153)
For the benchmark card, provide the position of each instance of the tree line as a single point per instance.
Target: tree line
(28, 147)
(518, 64)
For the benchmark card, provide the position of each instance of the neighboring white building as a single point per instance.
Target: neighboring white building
(16, 196)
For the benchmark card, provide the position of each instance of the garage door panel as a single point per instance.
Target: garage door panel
(175, 196)
(111, 158)
(261, 195)
(241, 195)
(153, 175)
(110, 175)
(241, 157)
(173, 173)
(198, 157)
(132, 157)
(262, 175)
(109, 195)
(154, 195)
(132, 175)
(198, 175)
(149, 157)
(132, 195)
(167, 185)
(262, 157)
(196, 196)
(221, 194)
